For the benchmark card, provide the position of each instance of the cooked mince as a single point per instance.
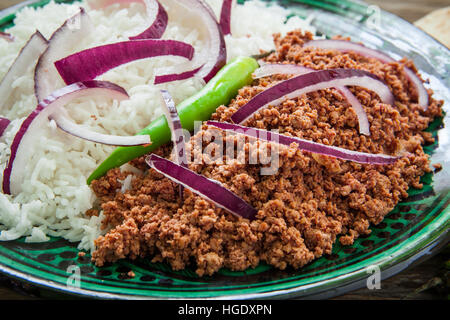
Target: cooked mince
(310, 203)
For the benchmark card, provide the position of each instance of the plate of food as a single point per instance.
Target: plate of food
(188, 149)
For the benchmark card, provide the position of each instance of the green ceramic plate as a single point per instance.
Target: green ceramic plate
(415, 229)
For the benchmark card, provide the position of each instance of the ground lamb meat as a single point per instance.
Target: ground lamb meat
(304, 207)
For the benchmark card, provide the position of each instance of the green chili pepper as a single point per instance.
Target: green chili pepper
(218, 91)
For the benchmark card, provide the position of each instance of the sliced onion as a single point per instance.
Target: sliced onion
(63, 42)
(31, 128)
(4, 123)
(210, 60)
(176, 77)
(280, 68)
(79, 131)
(7, 36)
(423, 99)
(157, 18)
(268, 69)
(348, 46)
(363, 121)
(89, 64)
(225, 16)
(27, 57)
(178, 139)
(322, 79)
(305, 145)
(212, 190)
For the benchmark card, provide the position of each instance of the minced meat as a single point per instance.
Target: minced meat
(309, 203)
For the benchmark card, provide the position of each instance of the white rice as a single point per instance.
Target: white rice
(55, 195)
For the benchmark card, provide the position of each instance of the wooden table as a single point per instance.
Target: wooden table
(428, 280)
(411, 10)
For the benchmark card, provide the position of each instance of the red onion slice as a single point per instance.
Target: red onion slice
(322, 79)
(31, 128)
(158, 19)
(101, 4)
(156, 16)
(61, 43)
(348, 46)
(225, 16)
(210, 61)
(212, 190)
(90, 63)
(178, 139)
(4, 123)
(79, 131)
(176, 77)
(27, 57)
(422, 94)
(7, 36)
(305, 145)
(363, 121)
(279, 68)
(269, 69)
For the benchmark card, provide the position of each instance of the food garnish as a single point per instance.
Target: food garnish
(306, 145)
(4, 123)
(157, 18)
(61, 43)
(27, 57)
(65, 124)
(225, 16)
(31, 127)
(348, 46)
(219, 90)
(207, 188)
(178, 139)
(269, 69)
(305, 83)
(207, 62)
(91, 63)
(7, 36)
